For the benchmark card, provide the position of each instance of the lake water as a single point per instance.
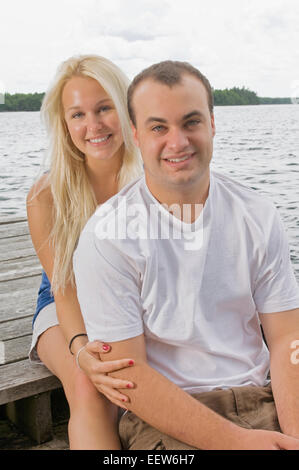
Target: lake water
(256, 145)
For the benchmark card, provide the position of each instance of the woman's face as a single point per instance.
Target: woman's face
(92, 119)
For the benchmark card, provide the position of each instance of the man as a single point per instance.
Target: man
(187, 305)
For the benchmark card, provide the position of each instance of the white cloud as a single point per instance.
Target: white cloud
(234, 43)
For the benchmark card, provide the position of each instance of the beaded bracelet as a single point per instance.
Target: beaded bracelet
(71, 342)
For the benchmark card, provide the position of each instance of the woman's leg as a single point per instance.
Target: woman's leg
(93, 420)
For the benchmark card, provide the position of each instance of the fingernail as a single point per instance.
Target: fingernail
(105, 347)
(123, 399)
(130, 385)
(131, 363)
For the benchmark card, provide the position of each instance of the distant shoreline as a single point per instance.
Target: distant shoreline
(228, 97)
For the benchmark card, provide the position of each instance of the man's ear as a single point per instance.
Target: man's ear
(134, 132)
(213, 125)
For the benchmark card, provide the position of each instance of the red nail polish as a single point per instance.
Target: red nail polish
(129, 386)
(131, 363)
(105, 347)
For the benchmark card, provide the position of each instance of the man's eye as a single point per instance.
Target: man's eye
(158, 128)
(193, 122)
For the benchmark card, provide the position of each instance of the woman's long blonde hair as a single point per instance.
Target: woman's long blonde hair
(73, 196)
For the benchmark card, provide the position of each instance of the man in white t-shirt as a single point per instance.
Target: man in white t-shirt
(179, 271)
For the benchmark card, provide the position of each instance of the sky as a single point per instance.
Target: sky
(251, 43)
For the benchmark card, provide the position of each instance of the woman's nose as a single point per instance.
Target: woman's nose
(94, 123)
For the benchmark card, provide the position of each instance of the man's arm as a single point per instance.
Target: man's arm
(108, 287)
(282, 336)
(166, 407)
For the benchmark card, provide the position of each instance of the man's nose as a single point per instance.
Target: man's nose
(177, 140)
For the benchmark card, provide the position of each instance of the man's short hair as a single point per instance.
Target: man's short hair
(170, 73)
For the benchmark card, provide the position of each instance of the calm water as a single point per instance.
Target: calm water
(257, 145)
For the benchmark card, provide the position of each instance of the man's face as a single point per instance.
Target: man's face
(174, 131)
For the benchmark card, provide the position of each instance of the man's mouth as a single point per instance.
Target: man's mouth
(178, 160)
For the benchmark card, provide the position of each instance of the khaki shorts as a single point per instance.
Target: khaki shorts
(249, 407)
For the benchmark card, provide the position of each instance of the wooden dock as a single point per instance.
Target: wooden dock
(23, 386)
(20, 274)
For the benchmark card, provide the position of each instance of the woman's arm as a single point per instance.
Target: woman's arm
(40, 221)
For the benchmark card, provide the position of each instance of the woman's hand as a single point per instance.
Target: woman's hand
(97, 370)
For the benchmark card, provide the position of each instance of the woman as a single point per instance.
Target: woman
(92, 156)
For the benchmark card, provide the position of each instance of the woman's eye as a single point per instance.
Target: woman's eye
(104, 108)
(77, 115)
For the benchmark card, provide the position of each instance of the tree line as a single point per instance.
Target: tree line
(228, 97)
(22, 102)
(243, 96)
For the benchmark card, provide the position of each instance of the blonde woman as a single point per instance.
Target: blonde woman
(92, 156)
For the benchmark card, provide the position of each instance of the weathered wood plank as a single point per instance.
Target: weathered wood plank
(15, 328)
(16, 247)
(18, 241)
(33, 416)
(13, 229)
(15, 269)
(17, 255)
(21, 309)
(18, 298)
(14, 286)
(23, 379)
(15, 349)
(11, 219)
(17, 258)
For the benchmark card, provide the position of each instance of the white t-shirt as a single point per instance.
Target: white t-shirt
(194, 290)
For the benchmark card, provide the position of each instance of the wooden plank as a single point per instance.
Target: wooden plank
(23, 379)
(15, 269)
(19, 308)
(17, 254)
(16, 247)
(15, 349)
(14, 286)
(13, 229)
(19, 240)
(16, 328)
(11, 219)
(19, 311)
(18, 298)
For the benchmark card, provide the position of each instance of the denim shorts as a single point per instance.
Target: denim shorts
(44, 296)
(44, 317)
